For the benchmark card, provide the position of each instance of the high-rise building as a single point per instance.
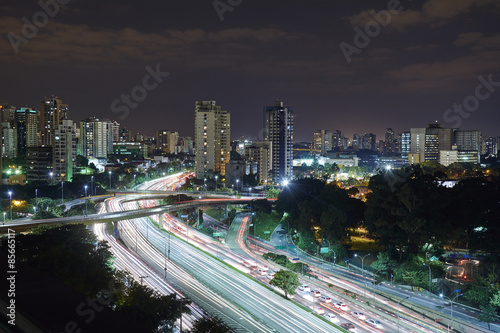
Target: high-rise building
(167, 141)
(64, 151)
(405, 144)
(114, 127)
(39, 164)
(8, 112)
(389, 143)
(96, 138)
(491, 145)
(258, 157)
(322, 141)
(26, 126)
(212, 135)
(468, 140)
(356, 140)
(369, 141)
(9, 140)
(428, 142)
(125, 135)
(278, 129)
(52, 112)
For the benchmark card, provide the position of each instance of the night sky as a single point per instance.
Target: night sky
(427, 58)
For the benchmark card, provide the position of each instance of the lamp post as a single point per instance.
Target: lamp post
(85, 200)
(205, 185)
(398, 308)
(91, 185)
(51, 174)
(134, 178)
(62, 192)
(237, 184)
(165, 254)
(4, 217)
(362, 265)
(36, 197)
(110, 180)
(10, 196)
(216, 183)
(430, 278)
(451, 308)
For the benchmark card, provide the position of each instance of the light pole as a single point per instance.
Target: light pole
(10, 196)
(216, 183)
(51, 174)
(110, 180)
(237, 184)
(36, 197)
(362, 265)
(205, 185)
(451, 308)
(62, 192)
(86, 200)
(4, 217)
(134, 178)
(165, 254)
(398, 308)
(430, 278)
(91, 185)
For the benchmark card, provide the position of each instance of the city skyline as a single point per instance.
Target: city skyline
(420, 60)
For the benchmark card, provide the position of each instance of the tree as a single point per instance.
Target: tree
(210, 325)
(479, 292)
(383, 264)
(495, 299)
(272, 193)
(488, 314)
(287, 281)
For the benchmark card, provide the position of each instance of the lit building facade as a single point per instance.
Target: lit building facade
(212, 130)
(52, 112)
(64, 151)
(278, 129)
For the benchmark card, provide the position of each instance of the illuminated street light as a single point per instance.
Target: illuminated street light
(110, 180)
(398, 308)
(10, 196)
(451, 308)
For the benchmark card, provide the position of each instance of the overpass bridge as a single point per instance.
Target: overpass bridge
(22, 226)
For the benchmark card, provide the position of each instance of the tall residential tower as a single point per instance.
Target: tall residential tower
(212, 132)
(278, 129)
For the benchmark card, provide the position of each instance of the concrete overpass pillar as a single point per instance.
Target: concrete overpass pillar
(115, 229)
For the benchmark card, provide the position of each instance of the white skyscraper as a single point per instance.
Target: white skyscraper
(212, 133)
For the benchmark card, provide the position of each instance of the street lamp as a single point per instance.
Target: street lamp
(398, 308)
(110, 180)
(10, 196)
(4, 217)
(237, 183)
(134, 178)
(362, 265)
(36, 197)
(51, 174)
(91, 185)
(86, 200)
(216, 183)
(451, 308)
(165, 253)
(430, 278)
(62, 192)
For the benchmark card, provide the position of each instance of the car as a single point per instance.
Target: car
(270, 275)
(325, 299)
(304, 288)
(374, 323)
(341, 306)
(319, 310)
(315, 293)
(331, 317)
(359, 315)
(349, 327)
(261, 271)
